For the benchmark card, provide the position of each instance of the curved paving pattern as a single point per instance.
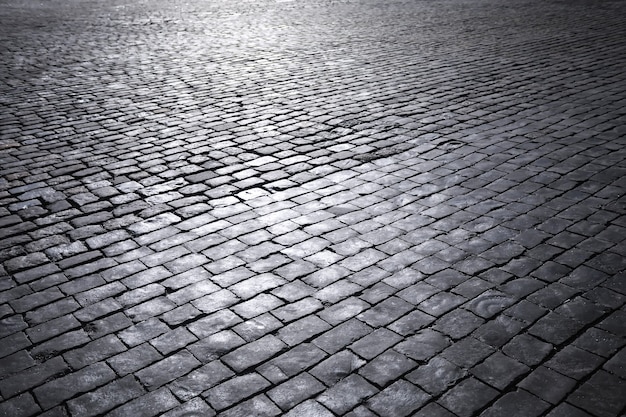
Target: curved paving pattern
(313, 208)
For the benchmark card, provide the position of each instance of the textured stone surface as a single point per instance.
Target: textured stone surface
(348, 208)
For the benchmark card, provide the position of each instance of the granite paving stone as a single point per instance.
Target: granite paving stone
(213, 346)
(291, 362)
(20, 406)
(290, 393)
(61, 389)
(465, 398)
(436, 376)
(302, 330)
(258, 406)
(548, 384)
(433, 410)
(309, 407)
(346, 394)
(387, 367)
(336, 367)
(200, 380)
(257, 327)
(517, 403)
(423, 345)
(134, 359)
(197, 406)
(151, 404)
(399, 399)
(235, 390)
(105, 398)
(312, 208)
(499, 370)
(601, 395)
(254, 353)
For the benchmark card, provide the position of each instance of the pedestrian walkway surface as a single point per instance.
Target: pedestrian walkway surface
(313, 208)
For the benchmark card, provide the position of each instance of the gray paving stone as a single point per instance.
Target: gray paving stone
(196, 406)
(257, 327)
(436, 376)
(518, 403)
(467, 352)
(215, 345)
(565, 409)
(467, 397)
(385, 312)
(235, 390)
(601, 395)
(61, 343)
(134, 359)
(374, 343)
(433, 410)
(61, 389)
(105, 398)
(260, 304)
(136, 296)
(95, 351)
(614, 323)
(182, 280)
(423, 345)
(343, 310)
(499, 331)
(346, 394)
(309, 408)
(525, 311)
(326, 276)
(16, 362)
(21, 406)
(527, 349)
(200, 380)
(32, 301)
(337, 291)
(255, 285)
(302, 330)
(548, 384)
(215, 301)
(167, 369)
(555, 328)
(387, 367)
(181, 314)
(292, 392)
(361, 411)
(173, 340)
(399, 399)
(32, 377)
(291, 362)
(258, 406)
(13, 324)
(148, 405)
(143, 331)
(49, 311)
(574, 362)
(458, 323)
(600, 342)
(490, 303)
(254, 353)
(499, 370)
(336, 367)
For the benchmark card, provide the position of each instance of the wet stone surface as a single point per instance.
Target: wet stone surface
(329, 208)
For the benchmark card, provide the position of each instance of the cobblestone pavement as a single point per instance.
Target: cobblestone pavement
(313, 208)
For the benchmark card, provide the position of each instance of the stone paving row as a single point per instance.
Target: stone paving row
(313, 208)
